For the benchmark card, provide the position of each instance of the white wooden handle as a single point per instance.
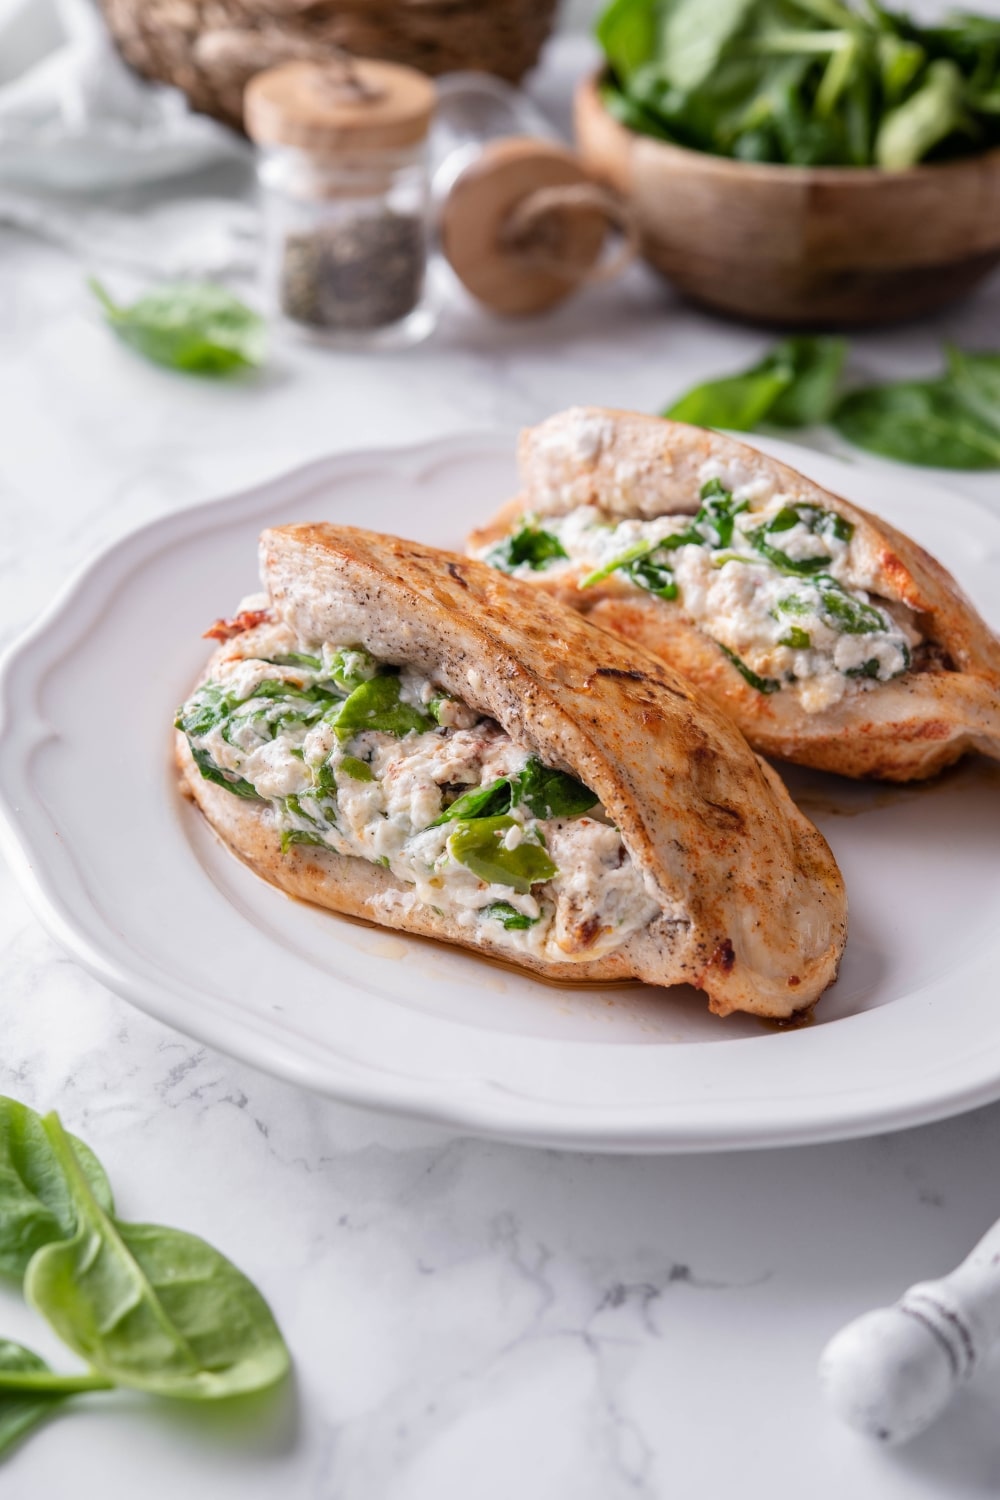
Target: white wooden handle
(891, 1372)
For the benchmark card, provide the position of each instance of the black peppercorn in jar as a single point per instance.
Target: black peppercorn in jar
(343, 173)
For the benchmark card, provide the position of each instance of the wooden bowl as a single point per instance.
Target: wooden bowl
(823, 246)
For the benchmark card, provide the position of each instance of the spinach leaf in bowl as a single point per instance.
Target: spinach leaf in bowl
(802, 82)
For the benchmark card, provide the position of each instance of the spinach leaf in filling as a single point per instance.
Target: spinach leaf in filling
(531, 545)
(479, 845)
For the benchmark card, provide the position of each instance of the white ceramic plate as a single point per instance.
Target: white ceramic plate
(131, 881)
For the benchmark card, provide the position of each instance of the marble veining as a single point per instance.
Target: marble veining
(467, 1319)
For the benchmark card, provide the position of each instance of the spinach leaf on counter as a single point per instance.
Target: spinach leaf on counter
(148, 1307)
(195, 327)
(37, 1203)
(951, 421)
(151, 1308)
(27, 1397)
(792, 386)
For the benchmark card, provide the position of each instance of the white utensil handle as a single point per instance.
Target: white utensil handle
(891, 1372)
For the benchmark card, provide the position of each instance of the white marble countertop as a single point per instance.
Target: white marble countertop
(465, 1318)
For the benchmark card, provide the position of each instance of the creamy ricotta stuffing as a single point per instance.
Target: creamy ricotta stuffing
(776, 583)
(379, 763)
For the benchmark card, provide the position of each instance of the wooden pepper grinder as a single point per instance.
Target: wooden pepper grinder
(520, 223)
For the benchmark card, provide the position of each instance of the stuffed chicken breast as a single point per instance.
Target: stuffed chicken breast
(404, 735)
(831, 639)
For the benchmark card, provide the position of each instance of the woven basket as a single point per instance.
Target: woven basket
(210, 48)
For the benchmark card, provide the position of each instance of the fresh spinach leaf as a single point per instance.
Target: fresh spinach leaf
(530, 546)
(737, 402)
(36, 1200)
(376, 705)
(479, 846)
(512, 919)
(794, 385)
(628, 33)
(22, 1404)
(952, 421)
(148, 1307)
(937, 110)
(201, 329)
(551, 794)
(802, 82)
(976, 378)
(809, 397)
(796, 638)
(694, 37)
(21, 1370)
(930, 422)
(228, 779)
(762, 684)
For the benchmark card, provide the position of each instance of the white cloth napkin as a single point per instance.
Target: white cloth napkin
(76, 125)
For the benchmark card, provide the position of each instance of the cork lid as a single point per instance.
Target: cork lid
(327, 107)
(523, 227)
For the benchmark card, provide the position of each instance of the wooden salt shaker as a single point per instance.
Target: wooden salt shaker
(890, 1373)
(343, 169)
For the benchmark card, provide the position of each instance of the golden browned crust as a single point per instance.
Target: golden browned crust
(753, 903)
(901, 730)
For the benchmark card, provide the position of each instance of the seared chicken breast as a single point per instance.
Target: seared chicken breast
(828, 636)
(411, 737)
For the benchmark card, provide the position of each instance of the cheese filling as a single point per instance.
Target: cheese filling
(775, 583)
(378, 763)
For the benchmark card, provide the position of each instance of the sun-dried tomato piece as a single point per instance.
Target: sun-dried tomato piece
(225, 630)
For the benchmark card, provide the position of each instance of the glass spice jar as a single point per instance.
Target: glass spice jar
(343, 172)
